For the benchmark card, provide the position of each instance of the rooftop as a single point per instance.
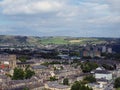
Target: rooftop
(56, 85)
(102, 72)
(39, 67)
(19, 63)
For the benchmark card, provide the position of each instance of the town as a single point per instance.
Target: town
(59, 44)
(59, 67)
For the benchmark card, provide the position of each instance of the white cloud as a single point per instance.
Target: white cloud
(105, 20)
(64, 11)
(29, 6)
(114, 5)
(60, 15)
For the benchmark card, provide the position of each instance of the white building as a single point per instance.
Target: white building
(109, 50)
(101, 73)
(104, 49)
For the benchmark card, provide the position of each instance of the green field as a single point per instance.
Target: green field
(53, 40)
(65, 40)
(118, 89)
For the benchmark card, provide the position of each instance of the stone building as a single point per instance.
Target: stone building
(7, 61)
(23, 65)
(56, 86)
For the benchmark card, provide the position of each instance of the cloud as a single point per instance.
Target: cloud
(105, 20)
(29, 6)
(114, 5)
(55, 17)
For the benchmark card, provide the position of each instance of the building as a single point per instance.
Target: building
(101, 73)
(86, 53)
(109, 50)
(39, 69)
(104, 49)
(91, 54)
(7, 61)
(97, 54)
(23, 65)
(56, 86)
(3, 78)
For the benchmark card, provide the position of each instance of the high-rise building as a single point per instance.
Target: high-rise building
(109, 50)
(97, 54)
(86, 54)
(104, 49)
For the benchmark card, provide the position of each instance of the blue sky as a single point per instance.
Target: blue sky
(81, 18)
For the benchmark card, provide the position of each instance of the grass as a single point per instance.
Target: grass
(87, 40)
(118, 89)
(75, 41)
(54, 40)
(49, 40)
(63, 40)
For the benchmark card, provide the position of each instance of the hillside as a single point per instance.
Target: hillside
(29, 40)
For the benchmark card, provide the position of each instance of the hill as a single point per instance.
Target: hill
(30, 40)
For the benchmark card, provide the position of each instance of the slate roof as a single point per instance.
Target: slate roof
(56, 85)
(102, 72)
(39, 67)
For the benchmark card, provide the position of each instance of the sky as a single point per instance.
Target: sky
(77, 18)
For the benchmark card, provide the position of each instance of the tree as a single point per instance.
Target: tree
(26, 88)
(61, 67)
(23, 58)
(18, 74)
(66, 81)
(89, 79)
(74, 54)
(29, 73)
(88, 66)
(53, 78)
(109, 67)
(80, 86)
(117, 83)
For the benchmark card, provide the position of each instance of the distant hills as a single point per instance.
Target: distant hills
(5, 39)
(30, 40)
